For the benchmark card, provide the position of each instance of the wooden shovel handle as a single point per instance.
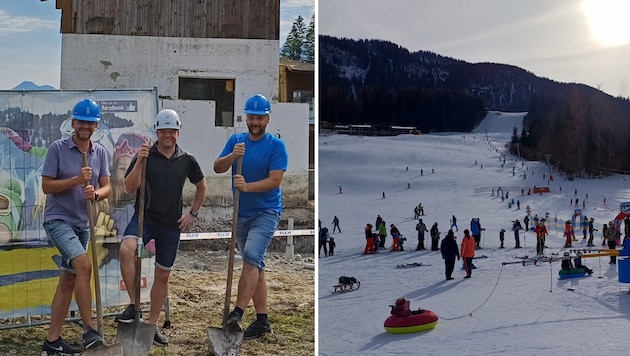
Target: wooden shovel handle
(95, 272)
(228, 288)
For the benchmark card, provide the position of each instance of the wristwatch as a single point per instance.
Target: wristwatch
(96, 197)
(194, 213)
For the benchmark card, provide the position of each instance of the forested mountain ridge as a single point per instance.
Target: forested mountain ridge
(379, 82)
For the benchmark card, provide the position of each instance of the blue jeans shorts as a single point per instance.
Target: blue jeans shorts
(166, 241)
(254, 234)
(70, 240)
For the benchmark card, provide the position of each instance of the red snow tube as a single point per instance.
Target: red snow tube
(419, 320)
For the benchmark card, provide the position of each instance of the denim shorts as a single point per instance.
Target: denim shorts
(254, 234)
(70, 240)
(166, 241)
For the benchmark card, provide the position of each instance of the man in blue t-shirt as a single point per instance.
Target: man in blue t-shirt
(264, 162)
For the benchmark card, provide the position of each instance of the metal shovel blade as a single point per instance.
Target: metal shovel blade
(136, 338)
(225, 343)
(109, 350)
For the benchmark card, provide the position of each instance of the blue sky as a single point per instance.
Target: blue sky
(31, 40)
(583, 41)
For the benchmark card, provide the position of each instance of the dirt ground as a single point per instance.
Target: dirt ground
(197, 297)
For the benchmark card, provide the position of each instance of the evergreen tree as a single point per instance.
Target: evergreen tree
(309, 42)
(294, 44)
(514, 135)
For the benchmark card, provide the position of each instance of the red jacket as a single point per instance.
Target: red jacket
(468, 247)
(541, 231)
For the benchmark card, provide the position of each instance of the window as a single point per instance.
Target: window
(220, 91)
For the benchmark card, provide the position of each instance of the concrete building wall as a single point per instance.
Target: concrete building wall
(115, 62)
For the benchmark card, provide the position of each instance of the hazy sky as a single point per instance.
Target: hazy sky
(584, 41)
(31, 41)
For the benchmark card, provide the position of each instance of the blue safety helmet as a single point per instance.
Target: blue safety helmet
(257, 105)
(87, 110)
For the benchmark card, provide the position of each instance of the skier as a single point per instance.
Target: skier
(335, 224)
(435, 237)
(449, 250)
(502, 237)
(382, 234)
(516, 227)
(526, 221)
(541, 232)
(420, 209)
(378, 221)
(323, 241)
(393, 230)
(340, 192)
(467, 252)
(408, 185)
(584, 227)
(331, 246)
(568, 233)
(475, 229)
(591, 228)
(454, 223)
(421, 228)
(369, 240)
(383, 195)
(415, 212)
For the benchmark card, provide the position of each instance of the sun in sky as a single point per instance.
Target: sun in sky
(607, 21)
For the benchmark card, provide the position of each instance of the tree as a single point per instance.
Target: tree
(309, 42)
(294, 44)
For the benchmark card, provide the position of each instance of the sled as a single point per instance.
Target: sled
(572, 273)
(346, 284)
(411, 265)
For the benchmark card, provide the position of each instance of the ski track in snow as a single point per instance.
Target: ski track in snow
(503, 309)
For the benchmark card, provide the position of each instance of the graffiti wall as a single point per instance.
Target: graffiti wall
(29, 123)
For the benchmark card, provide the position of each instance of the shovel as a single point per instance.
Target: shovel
(137, 337)
(110, 350)
(222, 341)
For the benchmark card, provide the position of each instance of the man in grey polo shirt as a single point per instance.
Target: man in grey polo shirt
(67, 185)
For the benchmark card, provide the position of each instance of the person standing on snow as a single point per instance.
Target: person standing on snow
(611, 238)
(378, 221)
(323, 241)
(591, 228)
(468, 252)
(449, 250)
(541, 232)
(454, 223)
(335, 223)
(435, 237)
(382, 234)
(369, 240)
(475, 229)
(568, 232)
(393, 230)
(526, 221)
(516, 227)
(502, 237)
(421, 228)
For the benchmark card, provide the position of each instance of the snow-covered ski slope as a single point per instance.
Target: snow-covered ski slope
(503, 309)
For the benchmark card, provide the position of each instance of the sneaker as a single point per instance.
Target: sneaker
(127, 316)
(256, 331)
(233, 323)
(159, 339)
(59, 347)
(91, 339)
